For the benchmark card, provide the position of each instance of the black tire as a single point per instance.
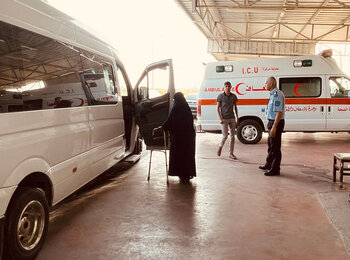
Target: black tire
(249, 132)
(138, 145)
(26, 225)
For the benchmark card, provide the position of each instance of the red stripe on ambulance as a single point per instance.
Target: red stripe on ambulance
(289, 101)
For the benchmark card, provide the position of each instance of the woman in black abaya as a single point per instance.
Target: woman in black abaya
(182, 139)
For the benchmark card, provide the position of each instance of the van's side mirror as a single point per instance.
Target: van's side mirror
(143, 93)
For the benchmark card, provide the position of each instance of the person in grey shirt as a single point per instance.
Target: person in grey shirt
(226, 108)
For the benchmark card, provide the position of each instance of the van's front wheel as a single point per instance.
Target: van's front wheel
(27, 222)
(249, 132)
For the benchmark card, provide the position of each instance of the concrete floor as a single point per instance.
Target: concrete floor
(230, 211)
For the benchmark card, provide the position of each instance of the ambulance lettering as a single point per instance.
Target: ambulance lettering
(213, 89)
(67, 91)
(242, 88)
(250, 70)
(301, 109)
(270, 69)
(344, 109)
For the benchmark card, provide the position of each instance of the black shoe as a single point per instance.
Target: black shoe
(185, 179)
(264, 167)
(272, 173)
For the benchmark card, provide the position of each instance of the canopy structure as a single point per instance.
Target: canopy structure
(240, 29)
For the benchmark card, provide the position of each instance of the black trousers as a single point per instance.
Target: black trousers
(274, 155)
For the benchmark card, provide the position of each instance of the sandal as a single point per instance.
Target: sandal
(232, 156)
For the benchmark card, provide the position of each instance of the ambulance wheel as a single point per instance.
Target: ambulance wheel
(249, 132)
(27, 221)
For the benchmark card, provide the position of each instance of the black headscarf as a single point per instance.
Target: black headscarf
(180, 120)
(179, 97)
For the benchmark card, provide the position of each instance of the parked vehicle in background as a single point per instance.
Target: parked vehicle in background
(317, 94)
(192, 100)
(67, 113)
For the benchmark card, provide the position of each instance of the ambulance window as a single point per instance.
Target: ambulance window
(301, 87)
(339, 87)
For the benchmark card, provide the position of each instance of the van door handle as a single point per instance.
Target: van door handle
(322, 109)
(329, 108)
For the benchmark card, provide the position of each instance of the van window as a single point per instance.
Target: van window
(154, 84)
(300, 87)
(98, 78)
(339, 87)
(158, 82)
(37, 72)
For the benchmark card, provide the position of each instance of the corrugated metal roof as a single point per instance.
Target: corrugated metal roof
(239, 29)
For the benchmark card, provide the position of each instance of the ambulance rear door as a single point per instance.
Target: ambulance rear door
(306, 102)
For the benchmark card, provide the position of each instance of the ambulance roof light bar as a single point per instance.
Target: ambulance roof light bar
(326, 53)
(226, 68)
(302, 63)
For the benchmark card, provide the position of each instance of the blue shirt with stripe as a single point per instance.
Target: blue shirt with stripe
(276, 104)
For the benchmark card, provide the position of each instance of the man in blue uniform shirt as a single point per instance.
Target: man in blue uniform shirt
(275, 126)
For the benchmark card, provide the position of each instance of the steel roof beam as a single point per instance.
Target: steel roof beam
(287, 23)
(313, 17)
(280, 17)
(279, 48)
(273, 24)
(275, 7)
(286, 39)
(335, 28)
(210, 24)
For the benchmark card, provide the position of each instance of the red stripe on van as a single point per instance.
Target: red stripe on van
(289, 101)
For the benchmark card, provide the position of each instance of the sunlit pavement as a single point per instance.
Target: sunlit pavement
(230, 211)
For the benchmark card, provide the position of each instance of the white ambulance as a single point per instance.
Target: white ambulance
(317, 94)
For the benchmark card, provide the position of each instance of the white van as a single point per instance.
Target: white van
(317, 94)
(67, 113)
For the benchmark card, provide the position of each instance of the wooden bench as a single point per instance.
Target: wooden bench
(343, 167)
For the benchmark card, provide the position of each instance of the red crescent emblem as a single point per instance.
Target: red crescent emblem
(296, 89)
(236, 89)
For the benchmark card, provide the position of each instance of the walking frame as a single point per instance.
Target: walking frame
(160, 149)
